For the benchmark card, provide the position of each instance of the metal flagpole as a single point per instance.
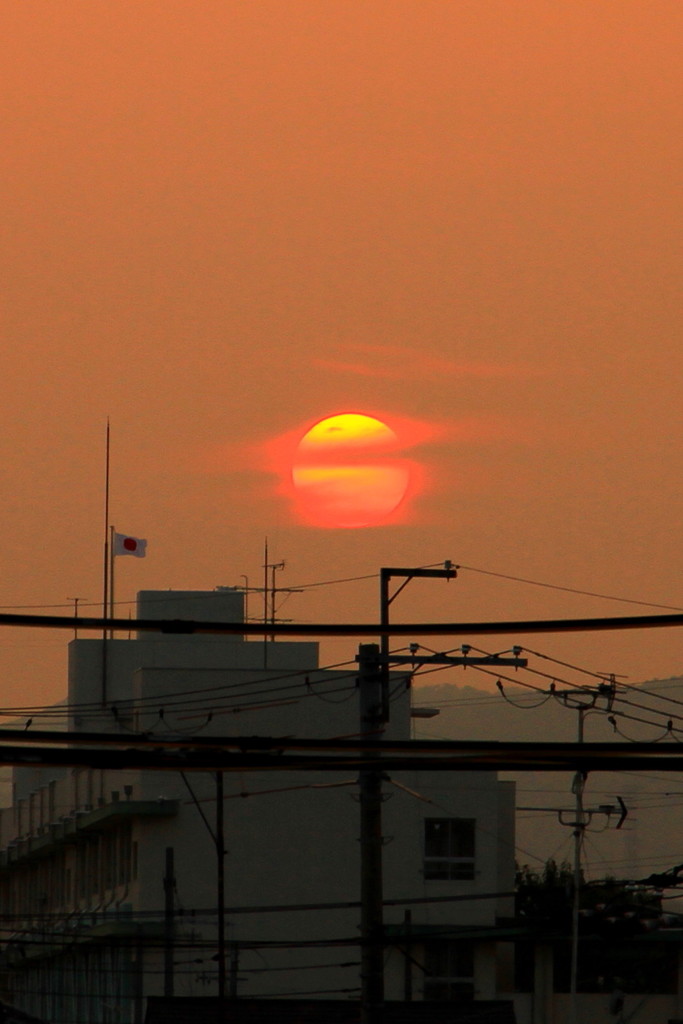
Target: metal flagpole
(265, 602)
(105, 586)
(112, 554)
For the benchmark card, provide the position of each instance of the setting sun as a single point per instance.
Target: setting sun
(344, 474)
(347, 430)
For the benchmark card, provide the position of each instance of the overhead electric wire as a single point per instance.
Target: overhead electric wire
(309, 992)
(526, 707)
(517, 682)
(195, 913)
(201, 707)
(604, 677)
(346, 579)
(299, 967)
(616, 696)
(354, 579)
(668, 732)
(301, 674)
(132, 703)
(187, 627)
(651, 693)
(169, 597)
(376, 575)
(568, 590)
(60, 711)
(193, 697)
(641, 721)
(500, 675)
(485, 700)
(647, 707)
(244, 794)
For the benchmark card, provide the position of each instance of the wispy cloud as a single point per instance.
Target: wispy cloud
(398, 362)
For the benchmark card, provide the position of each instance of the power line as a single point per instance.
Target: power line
(568, 590)
(62, 710)
(566, 664)
(195, 913)
(622, 714)
(181, 627)
(375, 575)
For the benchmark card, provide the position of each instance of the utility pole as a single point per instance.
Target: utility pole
(234, 968)
(373, 690)
(579, 819)
(579, 827)
(218, 839)
(449, 572)
(374, 662)
(408, 963)
(584, 702)
(606, 690)
(220, 890)
(370, 785)
(169, 892)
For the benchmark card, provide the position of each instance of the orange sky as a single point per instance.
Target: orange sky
(226, 220)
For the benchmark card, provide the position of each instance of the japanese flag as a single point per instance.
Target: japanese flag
(124, 545)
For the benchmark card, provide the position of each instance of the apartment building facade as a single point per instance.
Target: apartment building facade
(110, 882)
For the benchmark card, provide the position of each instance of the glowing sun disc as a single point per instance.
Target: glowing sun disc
(341, 476)
(347, 431)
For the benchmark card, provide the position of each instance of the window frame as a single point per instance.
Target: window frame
(446, 978)
(450, 865)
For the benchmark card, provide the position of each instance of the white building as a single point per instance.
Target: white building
(109, 877)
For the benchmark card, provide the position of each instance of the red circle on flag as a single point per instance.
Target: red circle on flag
(130, 544)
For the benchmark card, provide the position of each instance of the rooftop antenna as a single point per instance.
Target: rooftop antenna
(270, 591)
(274, 567)
(75, 601)
(246, 597)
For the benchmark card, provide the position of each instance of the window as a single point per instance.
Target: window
(449, 848)
(449, 971)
